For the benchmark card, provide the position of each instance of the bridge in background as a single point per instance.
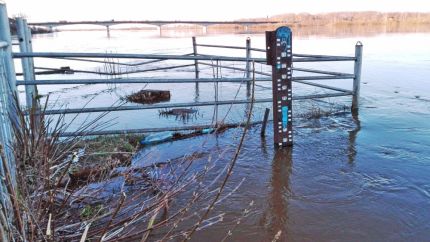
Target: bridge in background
(158, 23)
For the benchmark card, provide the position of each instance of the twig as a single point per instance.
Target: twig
(232, 163)
(84, 235)
(118, 207)
(10, 189)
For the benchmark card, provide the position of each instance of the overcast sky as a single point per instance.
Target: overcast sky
(51, 10)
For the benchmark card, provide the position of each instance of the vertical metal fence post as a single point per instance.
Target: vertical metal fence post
(248, 66)
(24, 38)
(357, 75)
(279, 55)
(216, 94)
(7, 92)
(6, 37)
(8, 77)
(196, 62)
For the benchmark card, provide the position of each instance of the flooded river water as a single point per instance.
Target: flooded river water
(361, 178)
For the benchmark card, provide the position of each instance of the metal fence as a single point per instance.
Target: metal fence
(7, 93)
(198, 60)
(32, 78)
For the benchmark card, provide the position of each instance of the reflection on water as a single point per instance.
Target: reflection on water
(280, 194)
(358, 30)
(352, 151)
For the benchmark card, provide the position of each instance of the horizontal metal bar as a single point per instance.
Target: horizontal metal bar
(323, 86)
(260, 60)
(320, 56)
(182, 105)
(257, 49)
(319, 71)
(152, 130)
(136, 80)
(328, 58)
(44, 73)
(66, 70)
(114, 63)
(172, 57)
(150, 106)
(131, 56)
(148, 62)
(232, 47)
(302, 78)
(310, 59)
(94, 61)
(315, 96)
(153, 69)
(165, 80)
(223, 46)
(233, 68)
(119, 73)
(3, 44)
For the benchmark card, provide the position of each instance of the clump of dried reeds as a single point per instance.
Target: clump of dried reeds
(46, 208)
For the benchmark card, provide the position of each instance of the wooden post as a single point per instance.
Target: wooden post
(27, 63)
(279, 55)
(357, 75)
(266, 117)
(248, 66)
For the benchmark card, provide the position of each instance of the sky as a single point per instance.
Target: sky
(72, 10)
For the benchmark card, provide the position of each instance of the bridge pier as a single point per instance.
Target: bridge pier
(108, 30)
(205, 29)
(160, 31)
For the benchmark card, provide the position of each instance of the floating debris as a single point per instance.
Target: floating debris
(179, 111)
(172, 136)
(183, 114)
(157, 138)
(149, 96)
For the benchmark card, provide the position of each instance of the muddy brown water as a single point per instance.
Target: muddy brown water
(346, 178)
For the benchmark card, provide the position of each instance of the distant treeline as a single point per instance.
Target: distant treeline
(34, 30)
(349, 18)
